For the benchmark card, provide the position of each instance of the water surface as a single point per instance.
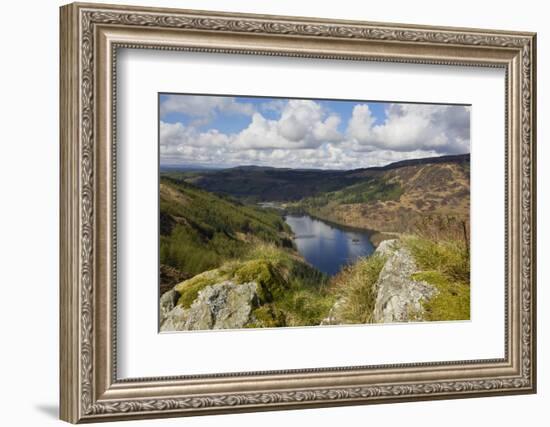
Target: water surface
(328, 247)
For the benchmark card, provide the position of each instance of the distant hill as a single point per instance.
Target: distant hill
(260, 184)
(401, 197)
(264, 184)
(457, 158)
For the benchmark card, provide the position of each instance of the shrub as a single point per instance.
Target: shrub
(449, 257)
(268, 316)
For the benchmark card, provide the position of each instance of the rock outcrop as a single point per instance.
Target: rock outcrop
(225, 305)
(234, 300)
(399, 298)
(168, 301)
(387, 248)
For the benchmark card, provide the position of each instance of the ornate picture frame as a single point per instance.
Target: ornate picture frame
(90, 37)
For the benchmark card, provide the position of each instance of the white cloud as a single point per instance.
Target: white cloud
(303, 124)
(306, 135)
(361, 123)
(181, 143)
(204, 106)
(408, 127)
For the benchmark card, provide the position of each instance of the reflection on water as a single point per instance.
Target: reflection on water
(325, 246)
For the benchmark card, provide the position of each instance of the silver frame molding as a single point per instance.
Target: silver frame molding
(90, 37)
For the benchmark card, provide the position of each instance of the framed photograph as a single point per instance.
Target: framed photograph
(267, 212)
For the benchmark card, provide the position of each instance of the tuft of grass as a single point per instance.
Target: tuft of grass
(452, 301)
(307, 307)
(268, 316)
(445, 264)
(356, 285)
(449, 257)
(268, 252)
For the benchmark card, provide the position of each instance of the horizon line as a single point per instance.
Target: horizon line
(250, 165)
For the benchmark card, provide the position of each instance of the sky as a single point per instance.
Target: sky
(228, 131)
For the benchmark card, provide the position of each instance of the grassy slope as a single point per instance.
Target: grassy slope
(217, 239)
(200, 230)
(355, 287)
(444, 264)
(291, 293)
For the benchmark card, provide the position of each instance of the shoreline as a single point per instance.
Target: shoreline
(375, 236)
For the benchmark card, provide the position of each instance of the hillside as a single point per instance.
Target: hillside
(200, 230)
(400, 199)
(261, 184)
(227, 263)
(413, 279)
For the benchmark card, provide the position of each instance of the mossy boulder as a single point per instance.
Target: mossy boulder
(225, 305)
(287, 292)
(189, 289)
(272, 284)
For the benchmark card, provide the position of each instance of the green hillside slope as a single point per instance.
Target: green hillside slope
(200, 230)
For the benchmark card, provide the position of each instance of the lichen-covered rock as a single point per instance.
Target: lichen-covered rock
(168, 301)
(225, 305)
(387, 247)
(399, 298)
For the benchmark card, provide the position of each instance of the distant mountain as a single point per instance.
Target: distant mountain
(259, 184)
(186, 168)
(265, 184)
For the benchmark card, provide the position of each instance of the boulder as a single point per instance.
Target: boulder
(399, 298)
(168, 301)
(387, 247)
(225, 305)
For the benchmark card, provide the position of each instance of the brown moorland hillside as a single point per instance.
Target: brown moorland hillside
(426, 196)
